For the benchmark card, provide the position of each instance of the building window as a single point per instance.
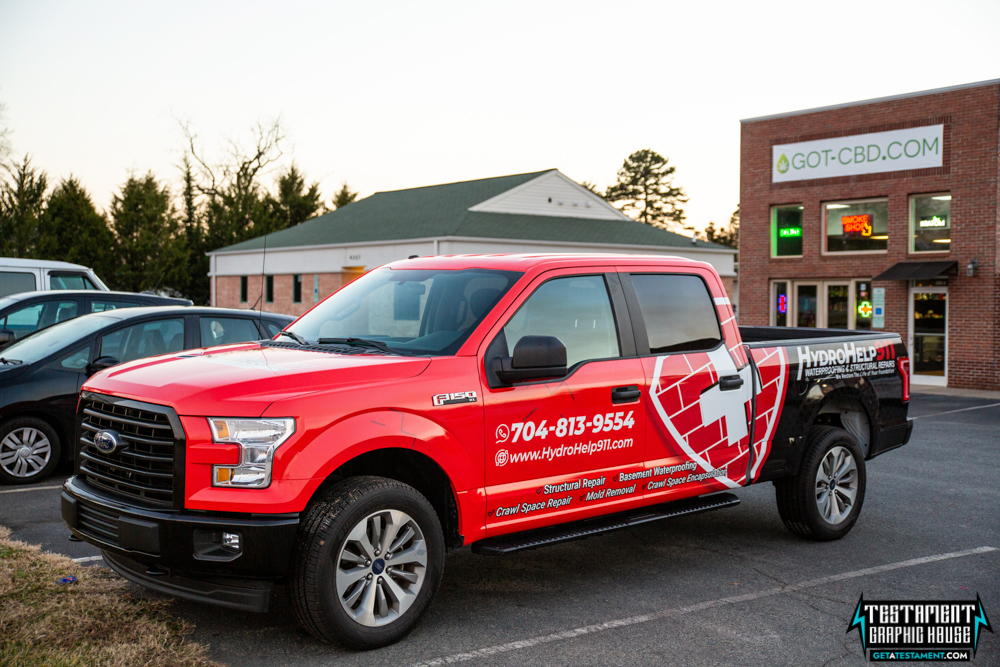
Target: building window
(296, 289)
(786, 231)
(315, 288)
(269, 296)
(243, 289)
(858, 226)
(930, 223)
(780, 304)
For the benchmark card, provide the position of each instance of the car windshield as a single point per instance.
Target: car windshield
(48, 341)
(408, 311)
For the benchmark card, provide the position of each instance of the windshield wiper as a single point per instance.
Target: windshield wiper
(10, 362)
(360, 342)
(297, 338)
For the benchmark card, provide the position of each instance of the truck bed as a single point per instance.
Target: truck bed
(762, 336)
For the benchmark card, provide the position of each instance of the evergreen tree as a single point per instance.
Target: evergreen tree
(22, 202)
(646, 191)
(151, 249)
(294, 204)
(343, 197)
(196, 284)
(728, 236)
(73, 231)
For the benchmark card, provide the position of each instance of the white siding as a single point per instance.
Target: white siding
(319, 259)
(551, 194)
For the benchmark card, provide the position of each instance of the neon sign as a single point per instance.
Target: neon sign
(857, 224)
(935, 221)
(790, 232)
(865, 309)
(782, 304)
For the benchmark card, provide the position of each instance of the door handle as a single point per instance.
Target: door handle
(730, 382)
(625, 394)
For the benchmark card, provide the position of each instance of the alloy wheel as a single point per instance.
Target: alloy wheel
(836, 485)
(24, 452)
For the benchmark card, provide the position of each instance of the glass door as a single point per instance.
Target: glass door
(806, 305)
(838, 305)
(928, 342)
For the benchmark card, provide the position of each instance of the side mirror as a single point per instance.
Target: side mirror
(100, 364)
(6, 336)
(535, 358)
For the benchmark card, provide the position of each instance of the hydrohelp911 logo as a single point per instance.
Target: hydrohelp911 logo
(940, 630)
(846, 360)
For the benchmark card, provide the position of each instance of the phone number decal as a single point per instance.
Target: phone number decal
(566, 426)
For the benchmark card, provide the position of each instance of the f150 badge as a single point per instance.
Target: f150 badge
(455, 398)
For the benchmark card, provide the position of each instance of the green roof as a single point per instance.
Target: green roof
(443, 210)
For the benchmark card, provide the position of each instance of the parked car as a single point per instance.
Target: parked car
(502, 402)
(41, 374)
(27, 312)
(29, 275)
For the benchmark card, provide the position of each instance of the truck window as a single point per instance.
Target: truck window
(13, 282)
(678, 311)
(227, 330)
(409, 310)
(70, 281)
(576, 310)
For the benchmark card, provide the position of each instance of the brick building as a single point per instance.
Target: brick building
(537, 212)
(881, 214)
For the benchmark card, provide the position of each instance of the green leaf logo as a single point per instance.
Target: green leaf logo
(782, 164)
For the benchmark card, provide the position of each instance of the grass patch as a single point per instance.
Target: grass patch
(94, 621)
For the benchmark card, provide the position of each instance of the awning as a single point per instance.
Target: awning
(918, 271)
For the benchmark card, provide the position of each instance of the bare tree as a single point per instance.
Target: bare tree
(5, 147)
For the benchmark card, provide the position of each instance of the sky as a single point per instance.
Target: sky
(393, 95)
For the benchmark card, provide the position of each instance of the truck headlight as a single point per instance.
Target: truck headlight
(258, 439)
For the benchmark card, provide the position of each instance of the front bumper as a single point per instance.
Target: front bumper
(180, 545)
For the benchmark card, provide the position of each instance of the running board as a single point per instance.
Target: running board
(532, 539)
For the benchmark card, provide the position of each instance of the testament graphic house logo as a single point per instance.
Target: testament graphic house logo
(941, 630)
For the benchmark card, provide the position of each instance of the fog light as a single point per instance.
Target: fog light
(232, 542)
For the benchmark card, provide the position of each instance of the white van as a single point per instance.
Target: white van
(29, 275)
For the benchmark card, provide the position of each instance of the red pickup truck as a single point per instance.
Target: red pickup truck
(504, 402)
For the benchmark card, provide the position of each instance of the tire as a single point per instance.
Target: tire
(817, 504)
(29, 450)
(340, 593)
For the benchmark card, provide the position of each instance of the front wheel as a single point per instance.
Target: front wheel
(824, 500)
(29, 450)
(368, 561)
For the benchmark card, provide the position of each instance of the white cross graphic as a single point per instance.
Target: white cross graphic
(716, 404)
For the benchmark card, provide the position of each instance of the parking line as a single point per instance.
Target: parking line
(951, 412)
(680, 611)
(87, 559)
(33, 488)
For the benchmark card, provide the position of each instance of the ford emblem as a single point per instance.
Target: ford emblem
(107, 441)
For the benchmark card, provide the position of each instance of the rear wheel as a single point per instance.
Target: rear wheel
(29, 450)
(368, 561)
(823, 502)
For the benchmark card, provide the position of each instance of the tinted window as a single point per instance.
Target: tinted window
(29, 319)
(12, 282)
(226, 330)
(70, 281)
(101, 306)
(678, 311)
(576, 310)
(144, 340)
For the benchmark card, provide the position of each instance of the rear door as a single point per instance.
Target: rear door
(562, 449)
(697, 380)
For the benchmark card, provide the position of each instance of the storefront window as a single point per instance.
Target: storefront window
(837, 304)
(857, 226)
(786, 231)
(930, 223)
(806, 304)
(863, 308)
(781, 304)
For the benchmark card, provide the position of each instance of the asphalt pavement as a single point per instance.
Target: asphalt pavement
(727, 587)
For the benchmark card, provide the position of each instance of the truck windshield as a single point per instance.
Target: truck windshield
(409, 311)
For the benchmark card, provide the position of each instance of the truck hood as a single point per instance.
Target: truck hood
(242, 380)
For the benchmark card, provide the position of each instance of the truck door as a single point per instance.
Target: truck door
(698, 384)
(566, 448)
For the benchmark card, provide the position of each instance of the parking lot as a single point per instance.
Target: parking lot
(720, 588)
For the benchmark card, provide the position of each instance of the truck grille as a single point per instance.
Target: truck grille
(142, 468)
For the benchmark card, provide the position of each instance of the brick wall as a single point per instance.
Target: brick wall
(227, 292)
(969, 173)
